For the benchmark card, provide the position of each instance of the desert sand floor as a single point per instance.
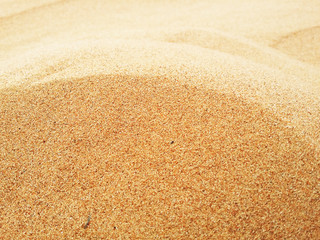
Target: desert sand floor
(159, 119)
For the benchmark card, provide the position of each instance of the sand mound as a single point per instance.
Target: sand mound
(159, 119)
(146, 156)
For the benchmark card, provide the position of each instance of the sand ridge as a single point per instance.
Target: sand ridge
(159, 120)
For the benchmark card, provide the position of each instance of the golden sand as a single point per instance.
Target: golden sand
(159, 119)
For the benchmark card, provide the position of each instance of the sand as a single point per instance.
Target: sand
(159, 119)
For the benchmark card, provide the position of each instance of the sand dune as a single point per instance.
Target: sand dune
(294, 44)
(159, 119)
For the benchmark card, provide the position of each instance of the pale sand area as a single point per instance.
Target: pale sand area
(159, 119)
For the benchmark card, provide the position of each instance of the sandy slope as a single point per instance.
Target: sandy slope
(159, 119)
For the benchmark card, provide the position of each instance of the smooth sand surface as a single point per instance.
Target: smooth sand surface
(159, 119)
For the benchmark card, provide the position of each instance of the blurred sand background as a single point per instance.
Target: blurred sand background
(159, 119)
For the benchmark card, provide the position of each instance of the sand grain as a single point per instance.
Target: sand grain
(159, 120)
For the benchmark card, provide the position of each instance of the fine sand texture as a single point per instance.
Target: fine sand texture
(159, 119)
